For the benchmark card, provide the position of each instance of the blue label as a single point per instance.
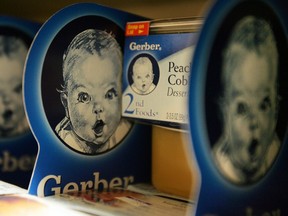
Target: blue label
(72, 87)
(238, 109)
(18, 147)
(156, 75)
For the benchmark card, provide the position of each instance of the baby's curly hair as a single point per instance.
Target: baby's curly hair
(13, 47)
(90, 42)
(252, 34)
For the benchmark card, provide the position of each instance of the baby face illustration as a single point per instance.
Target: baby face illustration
(251, 112)
(142, 74)
(11, 103)
(93, 99)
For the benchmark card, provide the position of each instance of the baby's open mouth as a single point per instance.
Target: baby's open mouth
(7, 115)
(253, 147)
(98, 127)
(143, 86)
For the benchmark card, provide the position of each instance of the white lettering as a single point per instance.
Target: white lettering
(72, 186)
(11, 164)
(145, 46)
(43, 182)
(98, 183)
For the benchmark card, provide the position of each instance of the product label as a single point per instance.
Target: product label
(85, 144)
(18, 148)
(240, 140)
(156, 77)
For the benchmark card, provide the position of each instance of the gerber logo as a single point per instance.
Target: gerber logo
(146, 46)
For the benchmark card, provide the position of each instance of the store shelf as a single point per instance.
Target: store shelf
(42, 10)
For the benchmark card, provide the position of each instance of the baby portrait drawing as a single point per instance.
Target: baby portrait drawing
(249, 104)
(13, 53)
(143, 76)
(91, 93)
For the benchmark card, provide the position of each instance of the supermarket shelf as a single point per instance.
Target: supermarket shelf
(42, 10)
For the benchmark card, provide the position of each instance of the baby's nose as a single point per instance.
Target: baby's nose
(6, 98)
(98, 109)
(253, 122)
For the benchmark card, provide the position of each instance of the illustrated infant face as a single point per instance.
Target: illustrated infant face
(142, 77)
(94, 96)
(251, 112)
(11, 103)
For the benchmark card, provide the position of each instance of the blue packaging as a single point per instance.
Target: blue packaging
(72, 91)
(238, 109)
(18, 147)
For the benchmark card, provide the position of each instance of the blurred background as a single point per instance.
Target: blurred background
(39, 10)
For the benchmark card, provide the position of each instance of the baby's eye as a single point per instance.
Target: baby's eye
(18, 89)
(265, 104)
(84, 97)
(111, 93)
(242, 109)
